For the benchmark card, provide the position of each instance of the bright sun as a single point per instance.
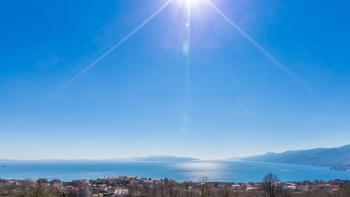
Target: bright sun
(191, 2)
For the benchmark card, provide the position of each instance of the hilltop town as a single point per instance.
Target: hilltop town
(129, 186)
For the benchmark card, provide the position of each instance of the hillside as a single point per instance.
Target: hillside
(335, 158)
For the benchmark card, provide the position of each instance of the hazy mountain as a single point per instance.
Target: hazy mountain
(147, 158)
(335, 158)
(164, 158)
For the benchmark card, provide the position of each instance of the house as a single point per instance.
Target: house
(121, 191)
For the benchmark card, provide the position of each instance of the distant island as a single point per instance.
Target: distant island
(334, 158)
(154, 158)
(164, 158)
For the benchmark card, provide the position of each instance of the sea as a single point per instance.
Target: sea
(215, 171)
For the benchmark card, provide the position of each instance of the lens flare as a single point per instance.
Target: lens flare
(191, 2)
(265, 52)
(115, 46)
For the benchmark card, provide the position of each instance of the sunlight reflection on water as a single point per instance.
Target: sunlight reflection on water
(206, 166)
(202, 170)
(237, 171)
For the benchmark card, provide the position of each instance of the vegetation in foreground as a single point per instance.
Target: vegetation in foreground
(270, 186)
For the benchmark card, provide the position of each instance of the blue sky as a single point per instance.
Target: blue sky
(133, 102)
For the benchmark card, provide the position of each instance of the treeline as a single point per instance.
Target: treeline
(270, 186)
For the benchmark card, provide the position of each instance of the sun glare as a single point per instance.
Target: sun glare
(191, 2)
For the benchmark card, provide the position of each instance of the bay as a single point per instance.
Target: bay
(223, 171)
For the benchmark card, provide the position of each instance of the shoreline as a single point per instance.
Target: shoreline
(133, 186)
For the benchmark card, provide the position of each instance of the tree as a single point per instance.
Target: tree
(270, 184)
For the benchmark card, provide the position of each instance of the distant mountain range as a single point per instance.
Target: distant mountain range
(164, 158)
(335, 158)
(148, 158)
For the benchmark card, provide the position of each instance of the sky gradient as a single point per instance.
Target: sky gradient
(133, 102)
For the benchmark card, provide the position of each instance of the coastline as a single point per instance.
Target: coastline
(133, 186)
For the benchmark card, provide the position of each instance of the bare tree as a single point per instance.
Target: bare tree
(270, 185)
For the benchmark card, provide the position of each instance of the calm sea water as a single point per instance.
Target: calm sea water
(237, 171)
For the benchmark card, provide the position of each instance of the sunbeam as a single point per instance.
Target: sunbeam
(121, 42)
(187, 51)
(274, 60)
(190, 2)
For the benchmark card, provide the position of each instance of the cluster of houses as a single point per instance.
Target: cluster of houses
(124, 185)
(293, 186)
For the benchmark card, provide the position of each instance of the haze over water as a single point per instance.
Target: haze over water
(226, 171)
